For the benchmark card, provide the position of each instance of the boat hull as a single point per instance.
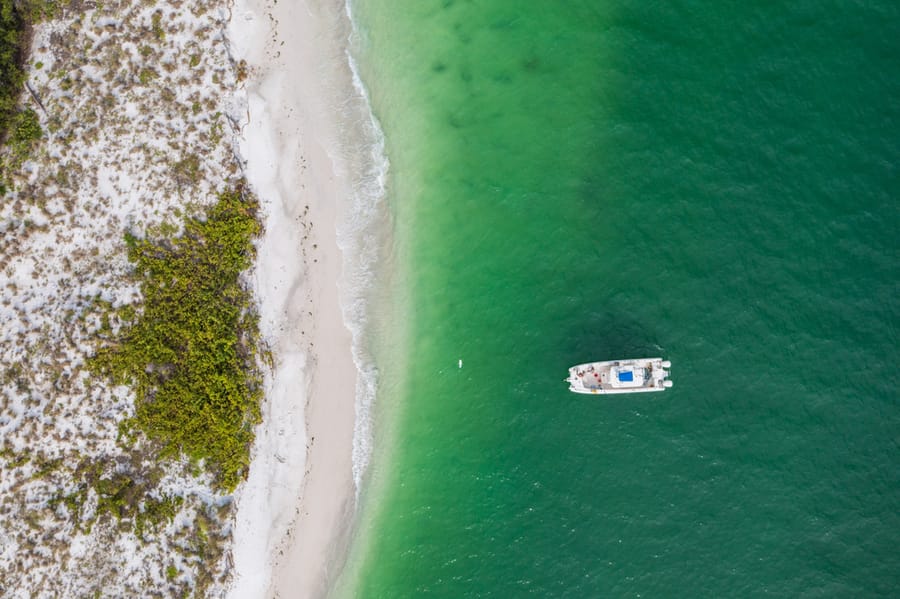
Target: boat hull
(613, 377)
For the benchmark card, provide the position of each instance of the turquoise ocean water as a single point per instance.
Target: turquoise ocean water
(712, 182)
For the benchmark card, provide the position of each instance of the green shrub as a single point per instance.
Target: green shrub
(27, 128)
(155, 513)
(156, 24)
(190, 351)
(147, 75)
(117, 496)
(13, 40)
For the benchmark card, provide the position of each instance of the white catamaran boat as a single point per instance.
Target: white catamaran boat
(620, 376)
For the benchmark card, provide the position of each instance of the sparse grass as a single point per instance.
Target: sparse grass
(187, 170)
(46, 466)
(74, 503)
(122, 495)
(216, 129)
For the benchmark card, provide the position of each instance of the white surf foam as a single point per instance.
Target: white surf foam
(361, 236)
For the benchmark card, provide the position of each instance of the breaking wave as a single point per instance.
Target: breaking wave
(362, 231)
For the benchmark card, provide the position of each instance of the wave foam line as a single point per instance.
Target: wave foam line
(360, 236)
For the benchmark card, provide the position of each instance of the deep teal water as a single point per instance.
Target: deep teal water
(716, 183)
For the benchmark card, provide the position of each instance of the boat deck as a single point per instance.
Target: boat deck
(594, 379)
(603, 379)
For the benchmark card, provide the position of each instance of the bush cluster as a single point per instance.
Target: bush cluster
(189, 350)
(13, 39)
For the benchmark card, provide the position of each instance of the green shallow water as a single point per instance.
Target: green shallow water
(715, 183)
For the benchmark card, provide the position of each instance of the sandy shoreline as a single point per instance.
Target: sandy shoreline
(295, 509)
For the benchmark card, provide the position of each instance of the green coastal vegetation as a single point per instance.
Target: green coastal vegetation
(16, 20)
(188, 350)
(14, 38)
(19, 128)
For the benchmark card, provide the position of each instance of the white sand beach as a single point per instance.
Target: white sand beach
(295, 510)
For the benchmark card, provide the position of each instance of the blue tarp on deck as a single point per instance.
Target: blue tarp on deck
(626, 377)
